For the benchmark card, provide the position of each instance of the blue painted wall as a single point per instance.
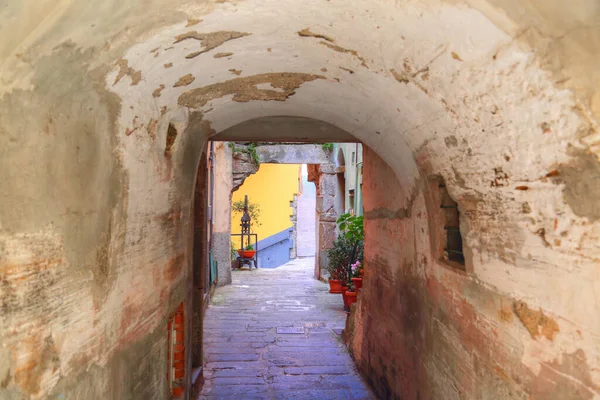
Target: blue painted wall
(275, 250)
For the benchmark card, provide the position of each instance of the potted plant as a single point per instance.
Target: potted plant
(345, 297)
(337, 261)
(351, 295)
(349, 291)
(233, 256)
(335, 285)
(357, 275)
(346, 255)
(237, 209)
(248, 252)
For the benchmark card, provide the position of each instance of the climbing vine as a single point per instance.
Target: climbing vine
(249, 149)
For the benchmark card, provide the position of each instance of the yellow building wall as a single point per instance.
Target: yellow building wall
(272, 187)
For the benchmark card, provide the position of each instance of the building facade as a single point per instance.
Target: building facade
(273, 190)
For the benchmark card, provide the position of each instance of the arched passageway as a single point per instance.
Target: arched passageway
(104, 112)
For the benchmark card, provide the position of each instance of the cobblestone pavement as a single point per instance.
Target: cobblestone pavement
(252, 346)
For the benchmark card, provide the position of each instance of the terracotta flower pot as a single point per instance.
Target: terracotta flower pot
(351, 297)
(246, 253)
(357, 283)
(344, 290)
(335, 286)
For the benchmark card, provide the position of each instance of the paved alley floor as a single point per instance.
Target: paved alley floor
(270, 335)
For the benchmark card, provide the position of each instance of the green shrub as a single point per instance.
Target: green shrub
(347, 249)
(351, 227)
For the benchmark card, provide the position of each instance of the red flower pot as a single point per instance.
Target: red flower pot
(335, 286)
(351, 297)
(246, 253)
(357, 283)
(344, 290)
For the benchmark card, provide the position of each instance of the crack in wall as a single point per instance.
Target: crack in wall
(308, 33)
(341, 49)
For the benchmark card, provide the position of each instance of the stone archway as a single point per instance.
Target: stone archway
(322, 171)
(499, 98)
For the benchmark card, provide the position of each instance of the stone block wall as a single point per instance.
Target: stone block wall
(324, 177)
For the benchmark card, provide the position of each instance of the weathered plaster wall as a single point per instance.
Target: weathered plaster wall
(87, 284)
(222, 211)
(499, 97)
(352, 173)
(424, 330)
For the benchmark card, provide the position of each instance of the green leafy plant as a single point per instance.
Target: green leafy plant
(237, 208)
(249, 149)
(347, 253)
(344, 253)
(252, 151)
(339, 256)
(249, 247)
(233, 252)
(351, 226)
(327, 146)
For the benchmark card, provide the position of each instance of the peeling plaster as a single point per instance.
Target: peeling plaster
(192, 22)
(157, 91)
(184, 80)
(125, 69)
(245, 89)
(536, 322)
(209, 40)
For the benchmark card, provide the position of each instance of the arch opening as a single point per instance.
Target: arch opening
(499, 100)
